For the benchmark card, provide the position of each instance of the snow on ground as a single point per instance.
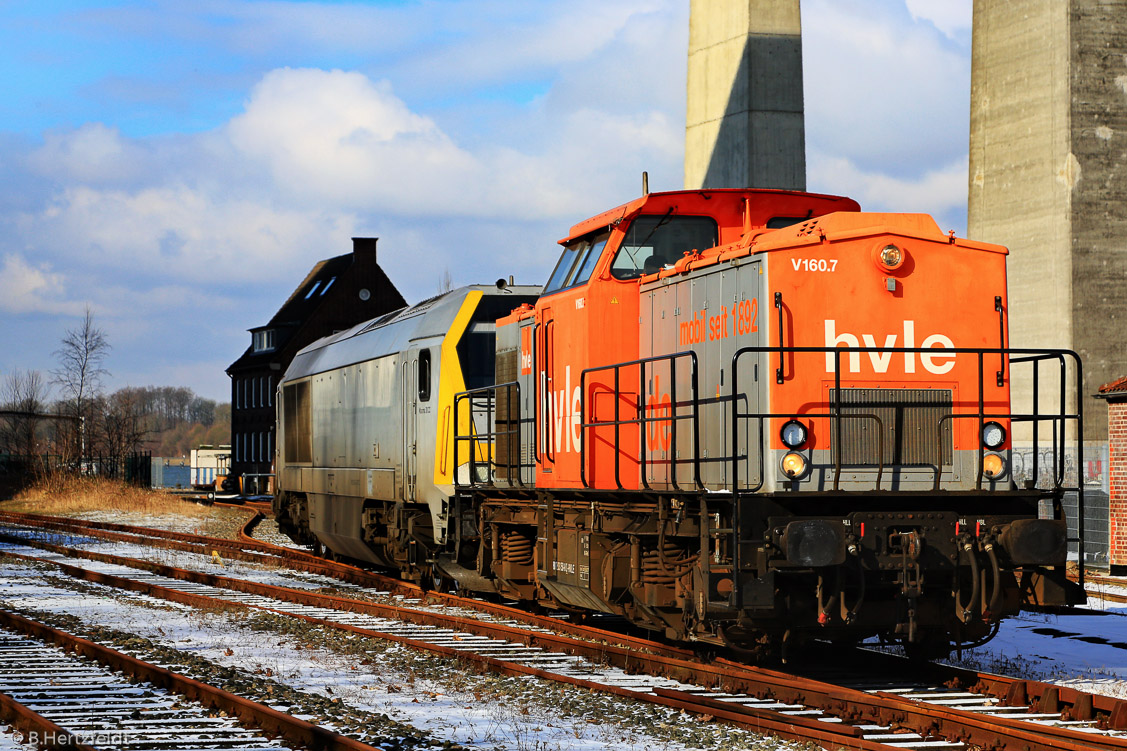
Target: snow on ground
(219, 521)
(433, 695)
(12, 740)
(214, 563)
(1086, 652)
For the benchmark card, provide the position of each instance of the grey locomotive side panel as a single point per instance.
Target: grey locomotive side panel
(380, 420)
(355, 410)
(711, 313)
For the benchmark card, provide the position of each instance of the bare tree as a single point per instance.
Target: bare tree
(80, 370)
(445, 282)
(24, 391)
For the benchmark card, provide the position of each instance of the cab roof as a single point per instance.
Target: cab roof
(762, 200)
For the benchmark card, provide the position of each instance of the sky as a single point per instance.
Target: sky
(179, 167)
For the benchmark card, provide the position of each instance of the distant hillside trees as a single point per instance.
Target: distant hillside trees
(176, 420)
(167, 420)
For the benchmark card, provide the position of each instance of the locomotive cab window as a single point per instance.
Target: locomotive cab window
(476, 354)
(424, 375)
(577, 262)
(655, 242)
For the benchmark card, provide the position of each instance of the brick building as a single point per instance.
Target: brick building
(336, 294)
(1115, 394)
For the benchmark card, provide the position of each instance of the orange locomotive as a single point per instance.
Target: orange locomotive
(751, 417)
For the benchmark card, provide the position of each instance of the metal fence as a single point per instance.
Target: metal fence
(1094, 474)
(135, 469)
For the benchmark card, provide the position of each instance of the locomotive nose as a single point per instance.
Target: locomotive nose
(1041, 542)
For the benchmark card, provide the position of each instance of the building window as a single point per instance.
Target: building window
(263, 340)
(312, 289)
(269, 391)
(327, 285)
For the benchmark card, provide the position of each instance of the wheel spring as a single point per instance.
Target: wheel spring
(666, 565)
(516, 548)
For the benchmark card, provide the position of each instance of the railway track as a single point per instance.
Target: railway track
(997, 713)
(346, 577)
(62, 691)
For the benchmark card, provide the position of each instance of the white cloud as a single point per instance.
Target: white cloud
(29, 289)
(337, 136)
(185, 233)
(892, 95)
(499, 41)
(316, 157)
(952, 17)
(941, 192)
(93, 153)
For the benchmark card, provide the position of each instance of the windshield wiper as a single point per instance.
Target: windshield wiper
(663, 220)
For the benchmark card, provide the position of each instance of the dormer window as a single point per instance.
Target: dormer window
(263, 340)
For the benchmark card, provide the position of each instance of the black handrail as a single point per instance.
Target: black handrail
(641, 419)
(489, 438)
(1058, 422)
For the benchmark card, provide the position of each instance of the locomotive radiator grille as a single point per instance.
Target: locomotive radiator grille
(508, 450)
(910, 421)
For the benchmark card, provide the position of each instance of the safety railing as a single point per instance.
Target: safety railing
(1058, 421)
(646, 413)
(495, 440)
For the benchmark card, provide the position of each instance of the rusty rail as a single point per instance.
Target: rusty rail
(889, 709)
(48, 734)
(341, 571)
(248, 712)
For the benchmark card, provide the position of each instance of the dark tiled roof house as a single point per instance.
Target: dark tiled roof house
(338, 293)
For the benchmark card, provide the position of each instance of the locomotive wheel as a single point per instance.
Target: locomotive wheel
(440, 582)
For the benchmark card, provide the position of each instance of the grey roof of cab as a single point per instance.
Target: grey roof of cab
(390, 333)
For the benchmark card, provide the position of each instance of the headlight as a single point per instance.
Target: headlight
(792, 434)
(993, 436)
(794, 465)
(993, 466)
(889, 257)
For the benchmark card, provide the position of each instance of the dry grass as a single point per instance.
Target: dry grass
(61, 494)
